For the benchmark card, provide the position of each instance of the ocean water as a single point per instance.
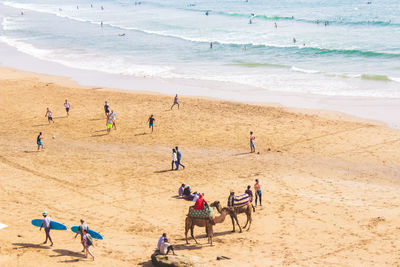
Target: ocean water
(342, 48)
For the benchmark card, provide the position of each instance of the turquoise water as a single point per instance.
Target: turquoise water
(344, 48)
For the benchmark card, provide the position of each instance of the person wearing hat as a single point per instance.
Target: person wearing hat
(81, 230)
(231, 198)
(46, 223)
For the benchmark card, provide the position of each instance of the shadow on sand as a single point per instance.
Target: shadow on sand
(98, 135)
(139, 134)
(40, 125)
(163, 171)
(32, 151)
(241, 154)
(29, 245)
(66, 252)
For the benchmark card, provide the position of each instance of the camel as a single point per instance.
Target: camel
(190, 222)
(248, 209)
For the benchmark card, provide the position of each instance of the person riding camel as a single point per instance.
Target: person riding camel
(200, 203)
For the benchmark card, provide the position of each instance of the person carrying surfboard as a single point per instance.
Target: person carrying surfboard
(46, 223)
(83, 227)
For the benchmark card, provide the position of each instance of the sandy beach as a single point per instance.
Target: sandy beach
(330, 183)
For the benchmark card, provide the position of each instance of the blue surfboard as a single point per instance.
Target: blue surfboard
(53, 225)
(92, 233)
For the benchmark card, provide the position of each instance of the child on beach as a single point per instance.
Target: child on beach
(106, 108)
(39, 141)
(109, 123)
(87, 242)
(49, 115)
(67, 106)
(151, 122)
(113, 116)
(176, 102)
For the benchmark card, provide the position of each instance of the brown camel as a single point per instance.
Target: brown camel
(248, 209)
(190, 222)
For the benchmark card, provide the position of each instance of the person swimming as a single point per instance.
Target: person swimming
(206, 13)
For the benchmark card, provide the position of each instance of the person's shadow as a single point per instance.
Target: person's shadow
(66, 252)
(29, 245)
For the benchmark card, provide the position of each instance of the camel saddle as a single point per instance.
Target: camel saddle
(201, 214)
(241, 200)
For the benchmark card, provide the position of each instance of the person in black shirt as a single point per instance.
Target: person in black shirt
(151, 122)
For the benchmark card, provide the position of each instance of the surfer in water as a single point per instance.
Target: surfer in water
(46, 223)
(211, 45)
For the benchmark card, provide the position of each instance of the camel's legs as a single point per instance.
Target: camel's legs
(186, 230)
(210, 235)
(233, 223)
(191, 233)
(237, 221)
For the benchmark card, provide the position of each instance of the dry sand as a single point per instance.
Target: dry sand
(331, 187)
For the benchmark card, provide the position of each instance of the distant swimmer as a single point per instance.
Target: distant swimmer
(206, 13)
(244, 47)
(250, 22)
(121, 34)
(211, 45)
(77, 7)
(317, 21)
(91, 5)
(101, 24)
(60, 9)
(276, 26)
(294, 40)
(22, 13)
(102, 8)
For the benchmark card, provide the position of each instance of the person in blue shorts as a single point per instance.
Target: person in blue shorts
(151, 122)
(39, 141)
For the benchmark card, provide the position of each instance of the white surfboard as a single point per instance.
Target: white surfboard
(3, 226)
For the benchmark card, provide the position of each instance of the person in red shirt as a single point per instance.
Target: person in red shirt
(200, 202)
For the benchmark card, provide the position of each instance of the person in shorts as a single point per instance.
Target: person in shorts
(151, 122)
(257, 189)
(39, 141)
(109, 123)
(46, 224)
(106, 108)
(67, 106)
(87, 243)
(176, 102)
(49, 115)
(252, 146)
(113, 116)
(81, 230)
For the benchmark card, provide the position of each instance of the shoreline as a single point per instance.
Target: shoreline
(377, 110)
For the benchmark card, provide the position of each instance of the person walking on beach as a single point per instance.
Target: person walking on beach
(49, 115)
(46, 223)
(39, 141)
(178, 156)
(106, 108)
(67, 106)
(109, 123)
(151, 122)
(252, 146)
(176, 102)
(113, 117)
(81, 230)
(87, 243)
(174, 159)
(257, 189)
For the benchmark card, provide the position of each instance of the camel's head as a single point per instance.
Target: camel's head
(215, 204)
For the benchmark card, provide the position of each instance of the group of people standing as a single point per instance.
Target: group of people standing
(111, 117)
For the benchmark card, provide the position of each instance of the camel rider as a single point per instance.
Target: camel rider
(231, 199)
(200, 203)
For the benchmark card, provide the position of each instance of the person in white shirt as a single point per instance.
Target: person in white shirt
(161, 240)
(166, 247)
(174, 159)
(46, 223)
